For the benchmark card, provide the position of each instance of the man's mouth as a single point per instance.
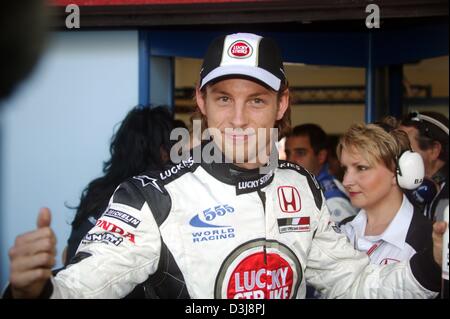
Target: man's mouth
(237, 137)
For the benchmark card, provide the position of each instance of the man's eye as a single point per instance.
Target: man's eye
(224, 99)
(258, 101)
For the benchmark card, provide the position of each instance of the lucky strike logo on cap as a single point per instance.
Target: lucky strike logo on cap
(240, 49)
(252, 279)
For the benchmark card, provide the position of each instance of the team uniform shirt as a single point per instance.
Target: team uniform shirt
(435, 209)
(210, 230)
(400, 240)
(336, 197)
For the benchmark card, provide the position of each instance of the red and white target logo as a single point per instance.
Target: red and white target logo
(258, 272)
(240, 49)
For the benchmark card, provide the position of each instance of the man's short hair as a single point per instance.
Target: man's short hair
(432, 128)
(317, 136)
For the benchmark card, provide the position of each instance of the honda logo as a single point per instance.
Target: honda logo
(289, 199)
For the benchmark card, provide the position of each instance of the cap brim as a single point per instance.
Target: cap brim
(256, 73)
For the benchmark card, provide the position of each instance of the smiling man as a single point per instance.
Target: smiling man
(215, 229)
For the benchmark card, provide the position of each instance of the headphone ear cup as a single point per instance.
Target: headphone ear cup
(410, 170)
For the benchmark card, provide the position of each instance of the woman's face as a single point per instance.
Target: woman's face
(368, 185)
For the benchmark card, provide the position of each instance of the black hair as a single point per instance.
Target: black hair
(317, 136)
(135, 147)
(429, 134)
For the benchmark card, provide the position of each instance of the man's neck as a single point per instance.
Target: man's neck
(434, 168)
(248, 165)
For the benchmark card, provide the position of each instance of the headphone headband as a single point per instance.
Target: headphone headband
(417, 117)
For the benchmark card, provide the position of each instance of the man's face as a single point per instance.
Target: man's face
(237, 108)
(299, 151)
(413, 135)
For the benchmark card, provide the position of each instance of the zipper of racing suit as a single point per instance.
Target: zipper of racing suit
(262, 196)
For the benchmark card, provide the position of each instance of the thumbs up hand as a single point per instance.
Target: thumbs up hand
(32, 258)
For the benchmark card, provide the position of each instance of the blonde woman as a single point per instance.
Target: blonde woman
(388, 227)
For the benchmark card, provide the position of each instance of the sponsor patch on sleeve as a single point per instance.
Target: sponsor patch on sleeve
(123, 217)
(106, 238)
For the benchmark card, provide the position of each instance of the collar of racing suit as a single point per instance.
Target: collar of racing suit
(245, 180)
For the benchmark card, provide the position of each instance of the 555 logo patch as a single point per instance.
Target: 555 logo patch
(208, 226)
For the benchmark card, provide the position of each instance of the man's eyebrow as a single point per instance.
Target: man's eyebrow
(258, 94)
(297, 149)
(219, 91)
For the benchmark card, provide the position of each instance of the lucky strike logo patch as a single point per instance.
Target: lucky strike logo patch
(253, 279)
(240, 49)
(259, 270)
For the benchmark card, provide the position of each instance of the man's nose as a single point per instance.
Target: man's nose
(239, 118)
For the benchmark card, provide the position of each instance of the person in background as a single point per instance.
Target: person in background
(388, 227)
(307, 146)
(334, 166)
(428, 135)
(142, 142)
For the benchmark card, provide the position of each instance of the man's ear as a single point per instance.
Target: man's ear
(283, 104)
(200, 100)
(322, 156)
(435, 150)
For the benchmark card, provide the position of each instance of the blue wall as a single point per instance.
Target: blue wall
(55, 130)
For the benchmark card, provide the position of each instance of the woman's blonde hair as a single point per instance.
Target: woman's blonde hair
(283, 125)
(377, 143)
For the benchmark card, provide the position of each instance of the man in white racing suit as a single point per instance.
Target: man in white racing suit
(202, 229)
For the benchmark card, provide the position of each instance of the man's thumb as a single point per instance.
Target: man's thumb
(44, 217)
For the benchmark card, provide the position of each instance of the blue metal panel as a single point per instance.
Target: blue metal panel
(344, 49)
(162, 81)
(144, 68)
(323, 48)
(369, 114)
(189, 44)
(396, 90)
(410, 44)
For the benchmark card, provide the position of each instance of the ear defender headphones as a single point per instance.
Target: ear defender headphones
(410, 170)
(409, 166)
